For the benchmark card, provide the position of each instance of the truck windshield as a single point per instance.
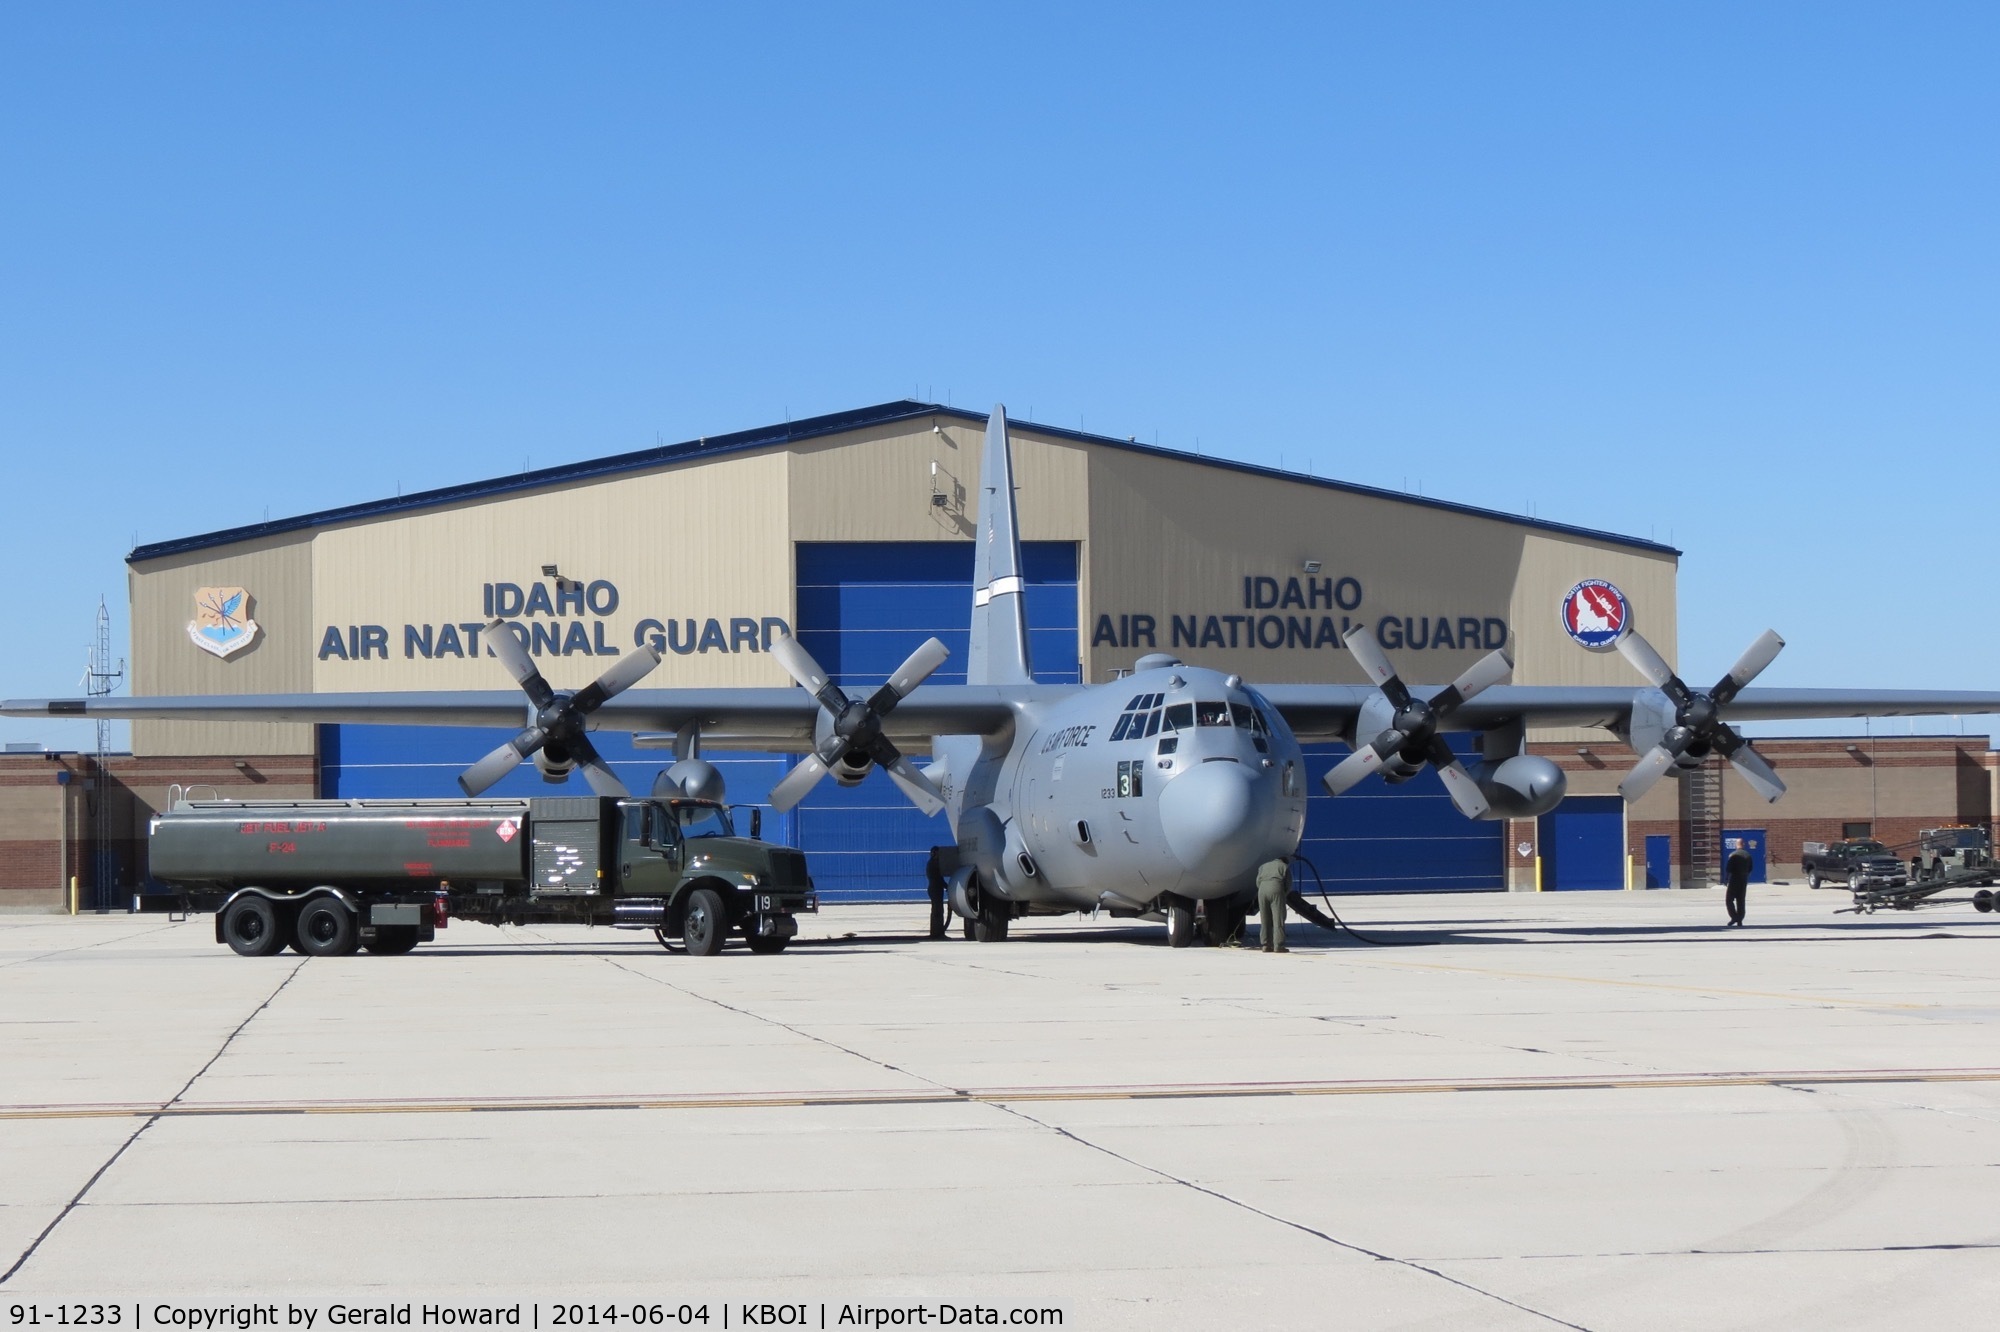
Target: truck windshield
(1958, 837)
(701, 819)
(1868, 848)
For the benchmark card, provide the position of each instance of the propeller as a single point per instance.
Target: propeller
(856, 730)
(1412, 735)
(558, 726)
(1698, 726)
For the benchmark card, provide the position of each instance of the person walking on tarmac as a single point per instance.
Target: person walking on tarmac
(934, 885)
(1737, 872)
(1274, 884)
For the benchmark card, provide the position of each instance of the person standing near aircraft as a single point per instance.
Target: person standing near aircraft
(1737, 871)
(934, 871)
(1274, 883)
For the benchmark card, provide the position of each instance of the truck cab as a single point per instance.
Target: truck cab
(685, 856)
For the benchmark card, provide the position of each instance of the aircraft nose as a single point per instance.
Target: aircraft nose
(1212, 821)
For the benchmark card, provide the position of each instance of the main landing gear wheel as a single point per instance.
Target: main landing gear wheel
(991, 927)
(1226, 917)
(251, 927)
(1180, 922)
(706, 924)
(391, 940)
(326, 928)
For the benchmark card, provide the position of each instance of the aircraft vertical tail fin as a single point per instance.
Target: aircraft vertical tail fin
(998, 651)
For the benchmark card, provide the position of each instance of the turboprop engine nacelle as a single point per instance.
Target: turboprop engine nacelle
(853, 765)
(1378, 715)
(1520, 787)
(694, 778)
(1652, 716)
(554, 763)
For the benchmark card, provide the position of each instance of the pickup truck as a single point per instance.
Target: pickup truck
(1857, 864)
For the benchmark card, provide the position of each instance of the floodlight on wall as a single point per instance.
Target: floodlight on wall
(1854, 749)
(1583, 751)
(1313, 566)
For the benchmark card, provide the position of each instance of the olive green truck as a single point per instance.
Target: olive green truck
(328, 877)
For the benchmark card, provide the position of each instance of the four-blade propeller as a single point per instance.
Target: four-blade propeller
(1698, 726)
(1412, 735)
(558, 725)
(855, 730)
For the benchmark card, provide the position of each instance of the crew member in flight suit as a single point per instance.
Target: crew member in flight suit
(1737, 868)
(1274, 884)
(934, 884)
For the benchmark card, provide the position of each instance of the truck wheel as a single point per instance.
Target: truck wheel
(706, 924)
(326, 928)
(764, 943)
(392, 939)
(1812, 880)
(250, 927)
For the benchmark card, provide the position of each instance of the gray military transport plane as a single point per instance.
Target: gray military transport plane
(1142, 797)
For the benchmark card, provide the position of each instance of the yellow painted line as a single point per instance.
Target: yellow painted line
(1651, 985)
(1013, 1095)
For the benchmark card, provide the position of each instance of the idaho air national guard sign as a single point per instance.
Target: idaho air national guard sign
(222, 623)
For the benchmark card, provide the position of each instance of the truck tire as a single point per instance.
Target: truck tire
(326, 928)
(392, 939)
(250, 926)
(765, 943)
(706, 923)
(1813, 880)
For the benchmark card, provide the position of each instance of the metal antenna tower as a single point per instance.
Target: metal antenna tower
(100, 677)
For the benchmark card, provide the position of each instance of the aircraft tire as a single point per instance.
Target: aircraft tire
(252, 927)
(706, 924)
(991, 927)
(325, 927)
(1226, 917)
(1180, 923)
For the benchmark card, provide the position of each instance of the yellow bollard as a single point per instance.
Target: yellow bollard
(72, 894)
(1538, 874)
(1628, 871)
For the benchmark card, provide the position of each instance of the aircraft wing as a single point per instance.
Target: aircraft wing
(1318, 713)
(766, 719)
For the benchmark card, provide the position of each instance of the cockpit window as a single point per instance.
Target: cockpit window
(1243, 716)
(1180, 717)
(1211, 714)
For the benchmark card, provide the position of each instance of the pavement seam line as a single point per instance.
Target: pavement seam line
(83, 948)
(151, 1120)
(1300, 1226)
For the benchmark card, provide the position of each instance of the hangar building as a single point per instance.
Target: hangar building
(854, 530)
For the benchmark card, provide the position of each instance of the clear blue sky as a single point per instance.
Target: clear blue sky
(1723, 275)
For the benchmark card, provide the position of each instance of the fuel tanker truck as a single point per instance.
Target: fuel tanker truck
(329, 876)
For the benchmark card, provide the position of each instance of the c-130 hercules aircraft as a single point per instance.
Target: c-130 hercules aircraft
(1144, 796)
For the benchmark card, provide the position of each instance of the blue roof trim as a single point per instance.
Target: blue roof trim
(813, 427)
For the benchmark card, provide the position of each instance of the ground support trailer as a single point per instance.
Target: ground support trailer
(327, 877)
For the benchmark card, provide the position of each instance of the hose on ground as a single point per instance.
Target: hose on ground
(1329, 919)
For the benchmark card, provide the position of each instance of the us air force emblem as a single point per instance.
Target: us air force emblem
(222, 624)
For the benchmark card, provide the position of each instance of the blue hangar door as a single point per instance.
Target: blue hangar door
(1583, 843)
(1407, 838)
(862, 608)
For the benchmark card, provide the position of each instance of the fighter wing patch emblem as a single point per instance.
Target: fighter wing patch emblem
(1596, 614)
(222, 625)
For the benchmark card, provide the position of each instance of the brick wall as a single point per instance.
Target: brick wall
(49, 822)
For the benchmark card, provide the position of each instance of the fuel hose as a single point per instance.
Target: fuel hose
(1329, 919)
